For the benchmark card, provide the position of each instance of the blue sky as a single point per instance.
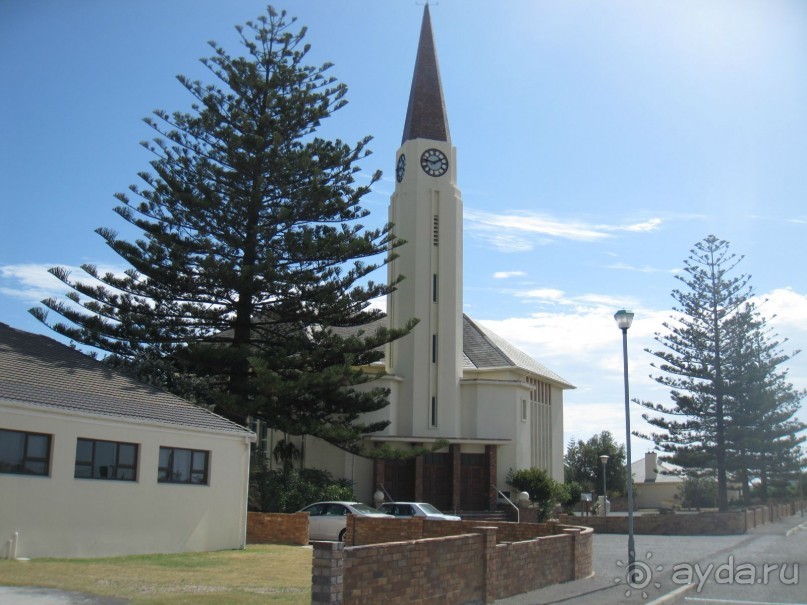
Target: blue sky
(597, 141)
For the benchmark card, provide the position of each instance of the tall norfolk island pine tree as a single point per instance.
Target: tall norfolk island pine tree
(720, 407)
(251, 251)
(764, 436)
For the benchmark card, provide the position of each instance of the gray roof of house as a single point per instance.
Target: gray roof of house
(37, 370)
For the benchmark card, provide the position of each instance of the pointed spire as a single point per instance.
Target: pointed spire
(426, 114)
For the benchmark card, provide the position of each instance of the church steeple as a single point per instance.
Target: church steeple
(426, 114)
(426, 211)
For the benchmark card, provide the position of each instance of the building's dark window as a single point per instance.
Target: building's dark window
(24, 453)
(433, 413)
(178, 465)
(96, 459)
(434, 348)
(434, 287)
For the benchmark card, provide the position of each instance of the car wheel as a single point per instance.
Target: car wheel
(342, 535)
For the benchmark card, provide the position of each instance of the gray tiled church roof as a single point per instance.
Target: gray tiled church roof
(483, 349)
(37, 370)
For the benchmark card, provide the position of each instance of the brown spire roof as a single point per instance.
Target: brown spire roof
(426, 114)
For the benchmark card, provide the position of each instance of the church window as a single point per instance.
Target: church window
(524, 410)
(540, 391)
(436, 233)
(433, 413)
(434, 348)
(434, 287)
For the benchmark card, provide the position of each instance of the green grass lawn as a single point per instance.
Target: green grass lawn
(259, 574)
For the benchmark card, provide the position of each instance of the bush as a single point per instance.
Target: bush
(573, 490)
(287, 490)
(544, 491)
(697, 492)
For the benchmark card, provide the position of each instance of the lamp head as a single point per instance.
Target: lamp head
(604, 458)
(624, 319)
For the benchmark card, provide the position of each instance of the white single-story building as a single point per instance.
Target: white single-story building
(657, 484)
(94, 463)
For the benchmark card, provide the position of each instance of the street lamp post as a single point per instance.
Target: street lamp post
(604, 460)
(624, 319)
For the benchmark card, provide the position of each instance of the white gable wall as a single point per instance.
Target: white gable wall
(60, 516)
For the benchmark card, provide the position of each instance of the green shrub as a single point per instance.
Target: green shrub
(544, 491)
(287, 490)
(571, 495)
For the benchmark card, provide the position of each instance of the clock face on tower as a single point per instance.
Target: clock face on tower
(434, 162)
(400, 168)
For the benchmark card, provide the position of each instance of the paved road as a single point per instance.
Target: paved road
(666, 561)
(770, 569)
(11, 595)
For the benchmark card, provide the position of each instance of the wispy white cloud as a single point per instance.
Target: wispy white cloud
(650, 225)
(29, 282)
(508, 274)
(522, 231)
(644, 269)
(576, 337)
(550, 294)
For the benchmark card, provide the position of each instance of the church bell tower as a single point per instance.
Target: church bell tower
(426, 210)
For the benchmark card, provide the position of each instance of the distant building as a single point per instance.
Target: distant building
(657, 485)
(93, 463)
(451, 379)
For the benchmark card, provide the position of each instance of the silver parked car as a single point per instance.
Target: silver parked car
(328, 520)
(415, 509)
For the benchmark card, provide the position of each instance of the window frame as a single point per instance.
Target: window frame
(28, 458)
(117, 467)
(165, 472)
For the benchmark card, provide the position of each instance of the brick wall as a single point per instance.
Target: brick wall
(550, 557)
(403, 561)
(666, 525)
(682, 524)
(436, 570)
(368, 530)
(277, 528)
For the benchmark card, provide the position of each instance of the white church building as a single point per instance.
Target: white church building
(451, 381)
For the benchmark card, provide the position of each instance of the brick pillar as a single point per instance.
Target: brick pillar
(490, 586)
(456, 476)
(378, 473)
(327, 573)
(573, 566)
(491, 453)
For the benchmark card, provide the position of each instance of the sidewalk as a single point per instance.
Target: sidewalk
(655, 557)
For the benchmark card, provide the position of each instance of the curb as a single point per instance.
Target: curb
(674, 596)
